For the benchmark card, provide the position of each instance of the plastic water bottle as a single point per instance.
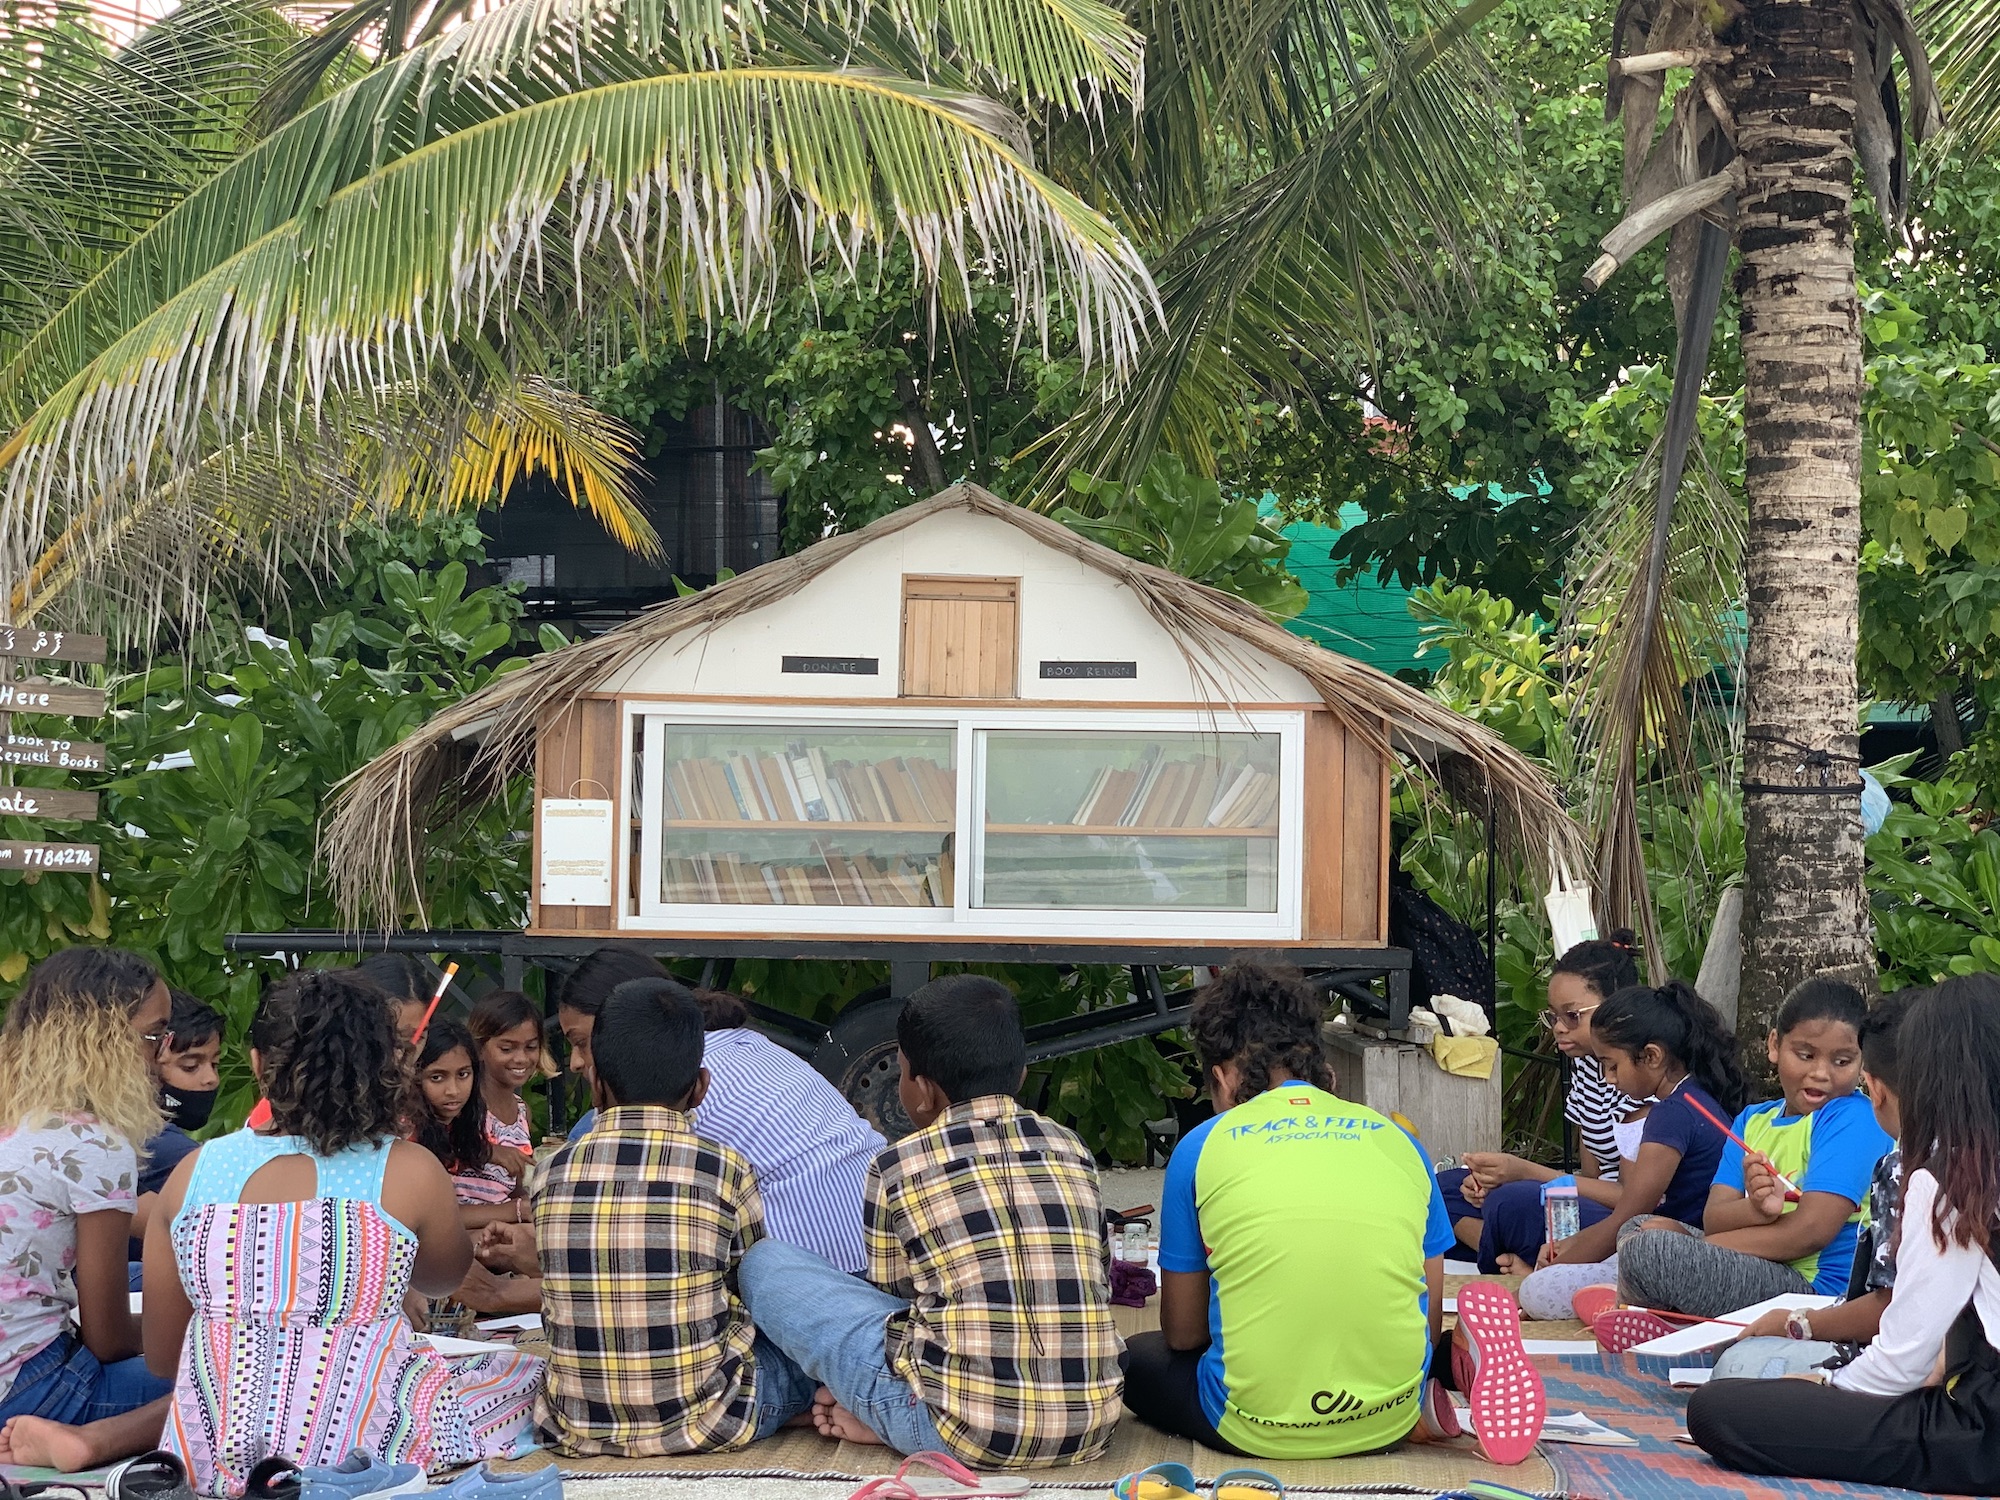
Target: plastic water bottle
(1560, 1210)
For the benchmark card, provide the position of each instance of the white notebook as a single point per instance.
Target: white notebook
(1711, 1335)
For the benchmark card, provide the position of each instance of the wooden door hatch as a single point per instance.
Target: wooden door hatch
(961, 636)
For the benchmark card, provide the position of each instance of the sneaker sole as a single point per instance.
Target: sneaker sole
(1505, 1392)
(1628, 1327)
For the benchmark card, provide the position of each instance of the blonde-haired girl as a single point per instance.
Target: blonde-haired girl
(77, 1101)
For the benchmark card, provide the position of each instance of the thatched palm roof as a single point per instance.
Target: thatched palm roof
(383, 813)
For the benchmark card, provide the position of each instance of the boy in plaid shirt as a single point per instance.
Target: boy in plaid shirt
(987, 1331)
(641, 1225)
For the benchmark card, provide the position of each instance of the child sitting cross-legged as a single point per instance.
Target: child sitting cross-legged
(641, 1226)
(987, 1329)
(1755, 1241)
(1301, 1256)
(1920, 1407)
(1667, 1045)
(1787, 1341)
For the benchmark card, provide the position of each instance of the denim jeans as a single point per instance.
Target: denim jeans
(783, 1389)
(64, 1382)
(830, 1326)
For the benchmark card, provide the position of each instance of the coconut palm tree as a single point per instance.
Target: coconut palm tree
(1782, 98)
(379, 301)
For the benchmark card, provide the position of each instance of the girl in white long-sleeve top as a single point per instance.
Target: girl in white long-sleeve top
(1920, 1407)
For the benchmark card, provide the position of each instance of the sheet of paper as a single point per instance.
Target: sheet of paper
(1577, 1428)
(1560, 1346)
(1451, 1304)
(1574, 1428)
(135, 1304)
(1688, 1375)
(452, 1348)
(523, 1322)
(1709, 1335)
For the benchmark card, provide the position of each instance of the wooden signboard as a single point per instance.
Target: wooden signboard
(16, 855)
(37, 695)
(50, 645)
(55, 755)
(48, 803)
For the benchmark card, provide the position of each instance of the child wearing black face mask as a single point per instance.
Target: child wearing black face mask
(187, 1067)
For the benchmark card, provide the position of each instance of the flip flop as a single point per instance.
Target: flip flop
(953, 1481)
(1591, 1302)
(1248, 1484)
(1507, 1400)
(150, 1476)
(1486, 1489)
(1623, 1328)
(1160, 1482)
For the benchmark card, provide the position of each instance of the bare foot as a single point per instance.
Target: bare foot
(803, 1419)
(843, 1424)
(1512, 1265)
(38, 1443)
(835, 1421)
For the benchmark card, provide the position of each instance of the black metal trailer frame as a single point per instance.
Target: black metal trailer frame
(856, 1051)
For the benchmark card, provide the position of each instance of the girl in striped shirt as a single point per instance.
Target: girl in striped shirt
(1495, 1199)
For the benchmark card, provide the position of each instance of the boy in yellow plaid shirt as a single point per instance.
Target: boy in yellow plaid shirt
(986, 1331)
(641, 1225)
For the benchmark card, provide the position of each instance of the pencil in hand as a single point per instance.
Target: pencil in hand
(1792, 1194)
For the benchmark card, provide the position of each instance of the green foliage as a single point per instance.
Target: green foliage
(223, 769)
(841, 374)
(1184, 523)
(1934, 881)
(1488, 468)
(1930, 509)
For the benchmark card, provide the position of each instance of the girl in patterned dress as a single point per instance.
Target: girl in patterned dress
(278, 1264)
(450, 1123)
(508, 1029)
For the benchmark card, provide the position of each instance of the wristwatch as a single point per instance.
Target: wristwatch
(1797, 1326)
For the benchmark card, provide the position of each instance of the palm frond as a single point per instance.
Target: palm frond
(690, 194)
(132, 556)
(521, 54)
(1290, 275)
(100, 141)
(1652, 617)
(1964, 38)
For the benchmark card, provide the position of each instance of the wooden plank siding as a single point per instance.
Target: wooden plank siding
(577, 754)
(961, 636)
(1346, 837)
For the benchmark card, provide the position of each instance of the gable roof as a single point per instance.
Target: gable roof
(382, 815)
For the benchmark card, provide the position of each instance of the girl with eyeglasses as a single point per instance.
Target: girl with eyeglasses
(77, 1102)
(1495, 1199)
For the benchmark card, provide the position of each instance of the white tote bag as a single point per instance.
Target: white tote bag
(1568, 902)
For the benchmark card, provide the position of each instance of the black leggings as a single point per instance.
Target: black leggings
(1160, 1390)
(1936, 1439)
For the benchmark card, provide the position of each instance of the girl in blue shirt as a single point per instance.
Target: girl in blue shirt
(1670, 1046)
(1756, 1241)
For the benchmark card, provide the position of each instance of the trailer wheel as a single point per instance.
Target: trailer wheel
(859, 1058)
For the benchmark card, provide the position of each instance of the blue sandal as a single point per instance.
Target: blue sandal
(1160, 1482)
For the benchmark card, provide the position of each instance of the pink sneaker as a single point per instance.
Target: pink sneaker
(1508, 1403)
(1624, 1328)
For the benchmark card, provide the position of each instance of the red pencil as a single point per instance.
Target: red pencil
(1792, 1194)
(444, 983)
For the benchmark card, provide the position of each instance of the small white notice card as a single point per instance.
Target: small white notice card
(577, 849)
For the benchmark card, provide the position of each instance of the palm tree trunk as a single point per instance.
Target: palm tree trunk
(1805, 910)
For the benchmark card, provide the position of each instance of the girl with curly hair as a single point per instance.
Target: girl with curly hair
(76, 1103)
(295, 1249)
(1305, 1234)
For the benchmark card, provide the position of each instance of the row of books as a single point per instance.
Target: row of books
(802, 786)
(837, 879)
(1195, 793)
